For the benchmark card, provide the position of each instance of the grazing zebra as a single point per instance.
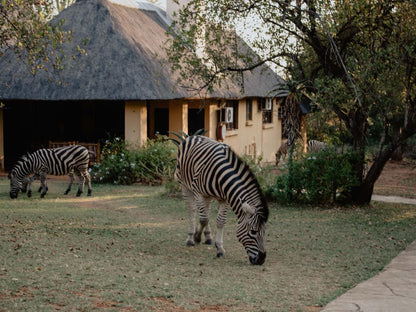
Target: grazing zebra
(56, 161)
(207, 169)
(315, 146)
(282, 151)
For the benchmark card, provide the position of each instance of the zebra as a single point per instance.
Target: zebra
(57, 161)
(282, 151)
(315, 146)
(206, 170)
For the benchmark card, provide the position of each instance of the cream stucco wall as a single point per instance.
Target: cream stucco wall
(252, 137)
(135, 128)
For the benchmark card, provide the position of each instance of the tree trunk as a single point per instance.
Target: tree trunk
(397, 154)
(365, 191)
(357, 124)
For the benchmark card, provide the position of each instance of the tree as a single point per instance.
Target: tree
(360, 57)
(60, 5)
(25, 28)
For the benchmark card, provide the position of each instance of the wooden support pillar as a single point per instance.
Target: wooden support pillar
(178, 116)
(135, 128)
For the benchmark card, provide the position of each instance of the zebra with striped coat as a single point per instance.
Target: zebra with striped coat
(57, 161)
(315, 146)
(207, 169)
(282, 151)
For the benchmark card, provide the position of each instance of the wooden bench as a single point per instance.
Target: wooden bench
(93, 148)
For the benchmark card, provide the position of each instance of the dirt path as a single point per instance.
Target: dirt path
(398, 179)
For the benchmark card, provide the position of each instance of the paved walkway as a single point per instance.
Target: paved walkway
(392, 290)
(394, 199)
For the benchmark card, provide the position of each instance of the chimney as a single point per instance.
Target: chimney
(172, 11)
(173, 7)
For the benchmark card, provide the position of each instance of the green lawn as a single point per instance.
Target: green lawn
(123, 249)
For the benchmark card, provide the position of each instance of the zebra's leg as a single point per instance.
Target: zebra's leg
(204, 209)
(87, 176)
(188, 196)
(221, 220)
(37, 176)
(71, 180)
(46, 186)
(43, 185)
(27, 186)
(81, 181)
(84, 176)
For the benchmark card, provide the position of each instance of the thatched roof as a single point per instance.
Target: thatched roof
(123, 61)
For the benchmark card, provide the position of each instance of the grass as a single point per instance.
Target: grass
(123, 249)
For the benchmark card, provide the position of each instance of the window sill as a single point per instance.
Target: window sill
(249, 123)
(230, 133)
(268, 126)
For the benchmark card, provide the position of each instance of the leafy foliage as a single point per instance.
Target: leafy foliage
(152, 164)
(318, 178)
(358, 56)
(25, 28)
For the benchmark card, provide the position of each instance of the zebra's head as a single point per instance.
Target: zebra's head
(250, 232)
(15, 184)
(19, 177)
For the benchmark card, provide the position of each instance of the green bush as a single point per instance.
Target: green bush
(151, 164)
(156, 161)
(261, 171)
(315, 178)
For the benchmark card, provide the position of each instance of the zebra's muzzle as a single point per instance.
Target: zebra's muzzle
(13, 195)
(259, 259)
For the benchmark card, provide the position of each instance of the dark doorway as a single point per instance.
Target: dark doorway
(30, 125)
(161, 121)
(196, 120)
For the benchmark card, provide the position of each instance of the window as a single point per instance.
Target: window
(249, 109)
(265, 105)
(280, 112)
(229, 114)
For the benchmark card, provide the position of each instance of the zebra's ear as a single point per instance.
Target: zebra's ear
(248, 209)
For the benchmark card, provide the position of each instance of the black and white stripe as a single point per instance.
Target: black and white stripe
(315, 146)
(57, 161)
(207, 169)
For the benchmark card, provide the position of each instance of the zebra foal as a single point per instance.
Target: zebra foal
(206, 170)
(56, 161)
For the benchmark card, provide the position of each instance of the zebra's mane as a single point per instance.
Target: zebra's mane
(22, 159)
(20, 163)
(263, 211)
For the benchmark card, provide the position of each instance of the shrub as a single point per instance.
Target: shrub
(262, 172)
(152, 163)
(156, 161)
(316, 178)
